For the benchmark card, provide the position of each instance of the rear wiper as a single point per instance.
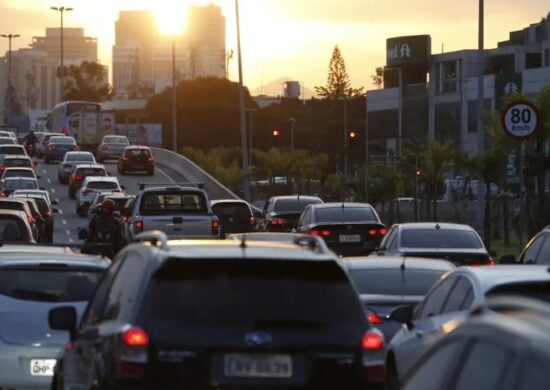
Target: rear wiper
(36, 294)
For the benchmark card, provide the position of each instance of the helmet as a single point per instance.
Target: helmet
(108, 206)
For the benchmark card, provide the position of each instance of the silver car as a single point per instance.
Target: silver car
(31, 284)
(91, 186)
(111, 147)
(70, 160)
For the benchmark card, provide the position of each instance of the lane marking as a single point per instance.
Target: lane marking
(53, 190)
(59, 211)
(165, 175)
(44, 171)
(68, 232)
(49, 180)
(71, 240)
(64, 222)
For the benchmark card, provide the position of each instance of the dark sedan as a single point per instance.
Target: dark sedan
(349, 229)
(280, 213)
(57, 147)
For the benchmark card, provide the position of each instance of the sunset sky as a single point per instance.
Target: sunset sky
(295, 38)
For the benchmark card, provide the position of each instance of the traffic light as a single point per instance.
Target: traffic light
(276, 138)
(352, 139)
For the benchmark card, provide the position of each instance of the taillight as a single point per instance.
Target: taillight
(383, 231)
(85, 191)
(491, 262)
(135, 337)
(215, 227)
(252, 220)
(78, 178)
(104, 147)
(325, 233)
(372, 341)
(2, 194)
(2, 167)
(277, 221)
(374, 318)
(124, 218)
(378, 232)
(51, 147)
(65, 131)
(314, 232)
(150, 159)
(125, 158)
(138, 225)
(30, 219)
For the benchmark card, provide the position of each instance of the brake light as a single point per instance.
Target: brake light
(65, 131)
(383, 231)
(125, 158)
(2, 167)
(2, 194)
(215, 227)
(372, 341)
(378, 232)
(374, 318)
(491, 262)
(325, 233)
(104, 147)
(30, 219)
(278, 221)
(252, 220)
(51, 147)
(85, 191)
(77, 178)
(150, 159)
(135, 337)
(138, 225)
(124, 218)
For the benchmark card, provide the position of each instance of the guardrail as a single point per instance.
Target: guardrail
(181, 168)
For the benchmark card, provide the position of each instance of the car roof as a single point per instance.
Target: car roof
(234, 201)
(89, 166)
(101, 178)
(266, 236)
(488, 277)
(172, 188)
(62, 136)
(137, 147)
(34, 248)
(433, 225)
(17, 213)
(282, 197)
(48, 259)
(11, 146)
(395, 262)
(15, 156)
(332, 205)
(18, 169)
(78, 152)
(13, 178)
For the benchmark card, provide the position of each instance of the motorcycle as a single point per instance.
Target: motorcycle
(104, 249)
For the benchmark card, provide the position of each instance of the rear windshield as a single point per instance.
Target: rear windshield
(43, 206)
(394, 281)
(21, 173)
(12, 206)
(17, 162)
(20, 184)
(440, 238)
(15, 149)
(90, 172)
(343, 214)
(137, 153)
(49, 285)
(12, 228)
(103, 185)
(535, 289)
(116, 140)
(119, 202)
(237, 210)
(173, 202)
(62, 140)
(296, 205)
(7, 141)
(80, 157)
(235, 296)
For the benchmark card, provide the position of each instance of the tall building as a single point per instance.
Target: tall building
(142, 55)
(76, 47)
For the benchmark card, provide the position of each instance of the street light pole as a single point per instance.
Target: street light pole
(345, 138)
(9, 37)
(174, 99)
(250, 133)
(292, 122)
(245, 173)
(62, 68)
(480, 105)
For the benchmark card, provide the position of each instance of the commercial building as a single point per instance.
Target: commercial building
(76, 46)
(435, 95)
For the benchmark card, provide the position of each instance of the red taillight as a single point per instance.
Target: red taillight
(383, 231)
(215, 227)
(85, 191)
(325, 233)
(65, 131)
(252, 220)
(138, 225)
(69, 346)
(77, 178)
(374, 318)
(124, 218)
(135, 337)
(372, 341)
(150, 159)
(491, 262)
(2, 194)
(125, 158)
(2, 167)
(277, 221)
(104, 147)
(378, 232)
(51, 147)
(30, 219)
(314, 232)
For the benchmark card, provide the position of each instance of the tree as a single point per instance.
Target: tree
(378, 77)
(87, 82)
(338, 83)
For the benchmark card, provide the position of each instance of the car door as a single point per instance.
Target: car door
(409, 342)
(532, 249)
(304, 221)
(79, 362)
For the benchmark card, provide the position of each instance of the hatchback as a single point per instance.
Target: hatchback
(91, 186)
(80, 172)
(70, 160)
(235, 216)
(111, 147)
(136, 159)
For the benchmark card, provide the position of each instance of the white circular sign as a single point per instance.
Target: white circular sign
(520, 119)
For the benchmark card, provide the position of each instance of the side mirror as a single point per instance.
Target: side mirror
(63, 318)
(508, 259)
(82, 234)
(55, 202)
(402, 314)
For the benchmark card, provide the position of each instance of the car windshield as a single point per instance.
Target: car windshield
(80, 157)
(394, 281)
(62, 140)
(293, 204)
(20, 184)
(213, 296)
(176, 202)
(49, 284)
(343, 214)
(116, 140)
(440, 238)
(102, 185)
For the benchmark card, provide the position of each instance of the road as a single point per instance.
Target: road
(66, 221)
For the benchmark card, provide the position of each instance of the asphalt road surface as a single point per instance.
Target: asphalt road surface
(66, 221)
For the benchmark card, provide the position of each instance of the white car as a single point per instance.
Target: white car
(10, 134)
(18, 172)
(37, 192)
(91, 186)
(70, 160)
(18, 183)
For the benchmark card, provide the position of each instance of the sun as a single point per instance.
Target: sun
(170, 20)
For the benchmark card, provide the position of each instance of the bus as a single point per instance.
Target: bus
(65, 117)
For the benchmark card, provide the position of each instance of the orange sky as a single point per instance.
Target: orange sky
(295, 38)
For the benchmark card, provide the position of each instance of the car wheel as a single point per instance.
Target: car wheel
(392, 379)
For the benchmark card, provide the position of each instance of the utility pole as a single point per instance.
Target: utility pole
(480, 105)
(9, 37)
(62, 68)
(174, 99)
(292, 122)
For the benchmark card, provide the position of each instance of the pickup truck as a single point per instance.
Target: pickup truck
(178, 211)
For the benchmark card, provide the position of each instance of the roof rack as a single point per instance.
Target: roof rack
(155, 238)
(197, 184)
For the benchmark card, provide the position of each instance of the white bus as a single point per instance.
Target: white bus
(65, 117)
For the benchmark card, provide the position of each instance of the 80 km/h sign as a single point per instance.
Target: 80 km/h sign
(520, 119)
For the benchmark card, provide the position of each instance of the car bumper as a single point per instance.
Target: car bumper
(111, 154)
(137, 166)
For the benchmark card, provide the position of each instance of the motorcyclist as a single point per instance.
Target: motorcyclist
(105, 227)
(30, 142)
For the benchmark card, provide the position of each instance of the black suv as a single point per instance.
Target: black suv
(235, 216)
(136, 158)
(218, 314)
(281, 213)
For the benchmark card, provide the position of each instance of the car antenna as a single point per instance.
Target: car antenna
(437, 227)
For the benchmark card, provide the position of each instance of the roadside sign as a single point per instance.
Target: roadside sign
(520, 119)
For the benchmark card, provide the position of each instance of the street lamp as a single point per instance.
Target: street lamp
(61, 10)
(292, 122)
(9, 37)
(174, 99)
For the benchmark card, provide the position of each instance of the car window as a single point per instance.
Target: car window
(102, 185)
(474, 373)
(239, 211)
(433, 303)
(394, 281)
(533, 248)
(305, 218)
(137, 153)
(460, 297)
(49, 285)
(90, 172)
(116, 140)
(170, 202)
(15, 173)
(343, 214)
(17, 162)
(20, 184)
(440, 238)
(535, 289)
(80, 157)
(386, 241)
(62, 140)
(543, 256)
(435, 370)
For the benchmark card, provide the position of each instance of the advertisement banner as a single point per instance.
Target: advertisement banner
(148, 134)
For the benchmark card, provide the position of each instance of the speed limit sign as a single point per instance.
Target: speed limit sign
(520, 119)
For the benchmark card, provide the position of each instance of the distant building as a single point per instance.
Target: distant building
(142, 55)
(76, 47)
(292, 89)
(435, 96)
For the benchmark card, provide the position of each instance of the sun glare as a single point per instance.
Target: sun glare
(170, 21)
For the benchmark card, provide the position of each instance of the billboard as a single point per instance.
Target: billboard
(409, 50)
(149, 134)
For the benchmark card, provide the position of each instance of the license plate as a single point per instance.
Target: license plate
(258, 366)
(42, 367)
(349, 238)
